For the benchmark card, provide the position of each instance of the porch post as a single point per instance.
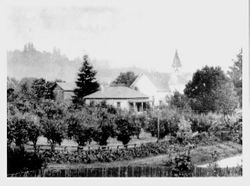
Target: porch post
(134, 105)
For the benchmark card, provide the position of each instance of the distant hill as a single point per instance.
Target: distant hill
(30, 62)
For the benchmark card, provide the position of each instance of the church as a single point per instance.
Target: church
(159, 92)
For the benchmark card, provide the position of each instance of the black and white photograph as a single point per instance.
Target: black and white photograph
(115, 88)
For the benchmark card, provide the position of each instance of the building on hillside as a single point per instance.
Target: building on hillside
(120, 97)
(64, 91)
(157, 91)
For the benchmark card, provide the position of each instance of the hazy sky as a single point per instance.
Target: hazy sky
(142, 33)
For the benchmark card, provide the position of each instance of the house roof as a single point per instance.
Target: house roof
(118, 92)
(69, 86)
(160, 81)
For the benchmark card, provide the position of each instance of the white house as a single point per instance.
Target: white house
(120, 97)
(156, 91)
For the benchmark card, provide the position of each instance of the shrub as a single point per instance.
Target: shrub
(138, 122)
(180, 166)
(153, 127)
(179, 101)
(168, 119)
(200, 122)
(228, 128)
(184, 133)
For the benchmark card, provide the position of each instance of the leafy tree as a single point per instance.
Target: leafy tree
(49, 88)
(138, 122)
(168, 120)
(125, 128)
(226, 99)
(235, 75)
(105, 127)
(179, 101)
(24, 88)
(17, 130)
(125, 79)
(23, 128)
(207, 89)
(38, 88)
(43, 89)
(153, 127)
(11, 95)
(34, 129)
(79, 129)
(53, 125)
(86, 82)
(53, 130)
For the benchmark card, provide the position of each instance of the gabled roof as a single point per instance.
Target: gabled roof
(69, 86)
(159, 81)
(119, 92)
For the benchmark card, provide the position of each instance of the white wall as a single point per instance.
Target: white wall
(123, 103)
(144, 85)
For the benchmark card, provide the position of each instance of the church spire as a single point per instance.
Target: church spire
(176, 62)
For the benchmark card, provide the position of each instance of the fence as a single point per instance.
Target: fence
(134, 171)
(30, 148)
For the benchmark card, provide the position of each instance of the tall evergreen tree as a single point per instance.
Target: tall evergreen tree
(86, 82)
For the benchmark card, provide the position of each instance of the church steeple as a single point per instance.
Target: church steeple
(176, 62)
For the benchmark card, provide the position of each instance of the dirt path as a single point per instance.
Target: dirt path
(228, 162)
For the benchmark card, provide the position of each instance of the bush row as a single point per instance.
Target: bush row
(98, 155)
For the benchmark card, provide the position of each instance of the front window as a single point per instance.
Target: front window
(118, 104)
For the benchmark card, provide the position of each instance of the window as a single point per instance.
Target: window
(131, 106)
(118, 104)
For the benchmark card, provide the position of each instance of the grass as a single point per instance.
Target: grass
(200, 155)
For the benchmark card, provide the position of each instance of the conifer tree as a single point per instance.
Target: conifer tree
(86, 82)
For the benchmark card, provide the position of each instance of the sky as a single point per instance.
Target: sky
(142, 33)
